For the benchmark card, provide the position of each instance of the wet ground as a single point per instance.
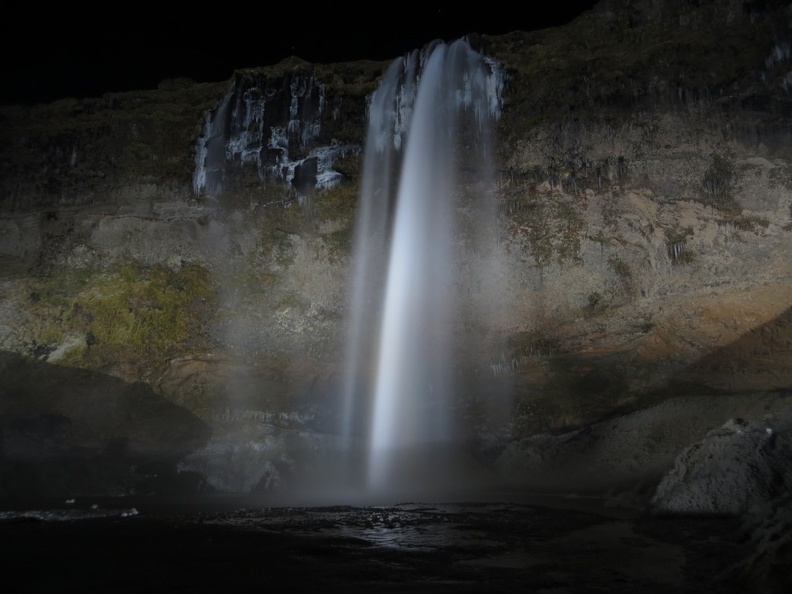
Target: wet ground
(411, 547)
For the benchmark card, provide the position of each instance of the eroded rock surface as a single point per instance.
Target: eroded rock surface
(741, 465)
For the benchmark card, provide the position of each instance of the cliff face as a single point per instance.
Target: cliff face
(649, 187)
(196, 238)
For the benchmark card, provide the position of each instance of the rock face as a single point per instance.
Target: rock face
(195, 239)
(287, 128)
(81, 432)
(625, 456)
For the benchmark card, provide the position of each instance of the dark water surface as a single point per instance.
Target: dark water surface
(228, 544)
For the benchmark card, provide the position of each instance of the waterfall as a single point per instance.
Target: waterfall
(416, 217)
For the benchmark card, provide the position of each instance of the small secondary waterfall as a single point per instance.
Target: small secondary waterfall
(415, 219)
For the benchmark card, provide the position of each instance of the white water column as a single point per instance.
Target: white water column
(400, 355)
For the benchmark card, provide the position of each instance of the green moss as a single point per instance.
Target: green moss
(350, 166)
(335, 207)
(338, 202)
(147, 313)
(136, 314)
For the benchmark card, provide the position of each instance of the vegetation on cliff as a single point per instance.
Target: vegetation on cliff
(139, 316)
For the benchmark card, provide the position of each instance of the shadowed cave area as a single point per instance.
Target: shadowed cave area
(67, 431)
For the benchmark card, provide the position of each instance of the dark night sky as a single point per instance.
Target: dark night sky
(61, 52)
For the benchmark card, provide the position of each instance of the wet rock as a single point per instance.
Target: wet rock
(769, 532)
(734, 469)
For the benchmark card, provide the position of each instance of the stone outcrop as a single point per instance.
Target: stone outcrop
(67, 430)
(735, 468)
(740, 469)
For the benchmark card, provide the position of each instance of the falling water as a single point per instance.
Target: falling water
(431, 110)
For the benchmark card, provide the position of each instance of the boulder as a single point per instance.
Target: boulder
(734, 469)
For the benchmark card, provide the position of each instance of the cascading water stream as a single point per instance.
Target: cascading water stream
(432, 109)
